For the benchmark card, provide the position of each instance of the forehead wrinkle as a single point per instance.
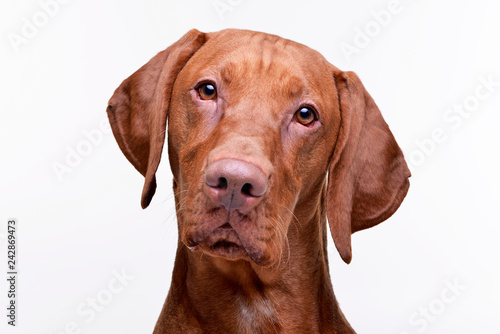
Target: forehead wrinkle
(280, 78)
(270, 47)
(233, 72)
(270, 73)
(292, 86)
(257, 54)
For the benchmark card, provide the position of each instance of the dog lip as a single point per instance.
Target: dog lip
(225, 234)
(194, 240)
(191, 243)
(223, 242)
(226, 226)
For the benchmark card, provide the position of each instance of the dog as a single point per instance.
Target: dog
(268, 144)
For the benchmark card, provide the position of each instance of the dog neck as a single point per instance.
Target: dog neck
(222, 296)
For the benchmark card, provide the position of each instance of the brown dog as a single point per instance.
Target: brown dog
(266, 140)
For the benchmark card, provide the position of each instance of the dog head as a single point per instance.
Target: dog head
(257, 125)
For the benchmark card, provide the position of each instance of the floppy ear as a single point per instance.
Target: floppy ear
(367, 176)
(138, 109)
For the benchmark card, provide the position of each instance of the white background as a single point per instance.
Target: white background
(78, 230)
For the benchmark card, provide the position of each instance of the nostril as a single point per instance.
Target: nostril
(222, 183)
(246, 189)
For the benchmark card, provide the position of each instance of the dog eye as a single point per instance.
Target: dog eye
(207, 91)
(305, 116)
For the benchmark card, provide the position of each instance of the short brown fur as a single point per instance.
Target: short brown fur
(345, 170)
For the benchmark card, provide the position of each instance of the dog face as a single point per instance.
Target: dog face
(259, 111)
(255, 123)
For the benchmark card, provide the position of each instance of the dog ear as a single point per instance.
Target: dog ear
(367, 176)
(138, 109)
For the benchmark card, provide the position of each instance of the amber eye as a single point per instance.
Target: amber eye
(305, 116)
(207, 91)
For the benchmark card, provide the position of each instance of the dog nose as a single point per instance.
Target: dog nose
(235, 184)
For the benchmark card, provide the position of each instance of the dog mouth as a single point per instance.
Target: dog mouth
(223, 242)
(230, 236)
